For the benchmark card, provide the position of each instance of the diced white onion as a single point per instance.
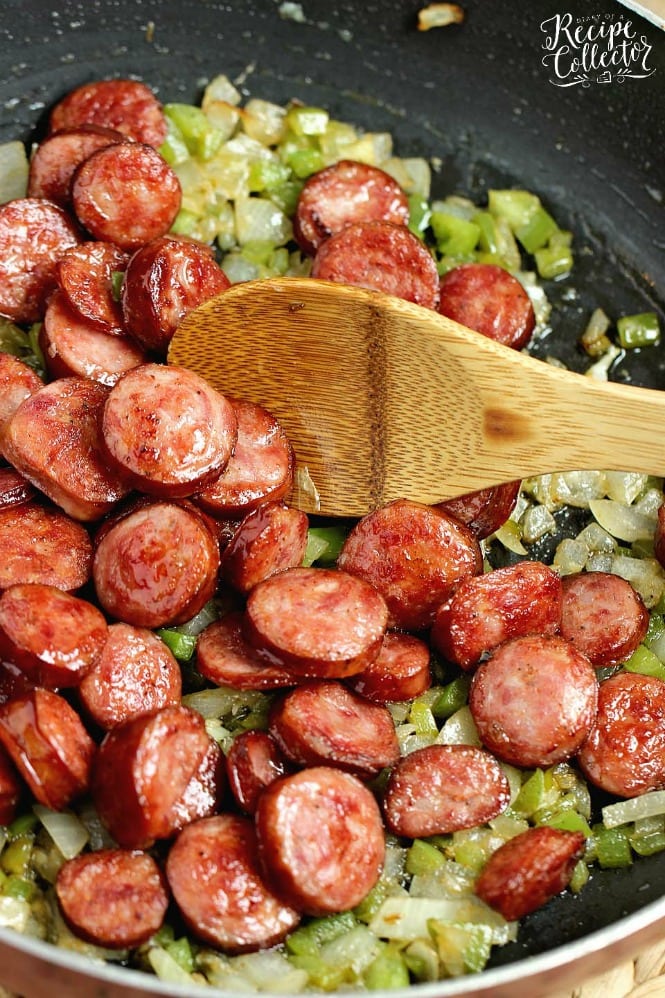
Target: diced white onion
(645, 806)
(536, 523)
(13, 171)
(625, 486)
(459, 729)
(406, 918)
(270, 971)
(220, 88)
(67, 830)
(627, 523)
(264, 121)
(570, 556)
(260, 220)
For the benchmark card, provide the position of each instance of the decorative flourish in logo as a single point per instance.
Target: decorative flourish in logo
(593, 49)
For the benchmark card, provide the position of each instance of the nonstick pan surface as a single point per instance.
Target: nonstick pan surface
(484, 98)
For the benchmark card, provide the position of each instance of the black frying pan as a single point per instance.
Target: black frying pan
(478, 97)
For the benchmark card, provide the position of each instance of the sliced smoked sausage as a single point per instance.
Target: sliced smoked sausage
(53, 439)
(487, 298)
(17, 382)
(126, 105)
(625, 751)
(75, 347)
(237, 911)
(401, 670)
(534, 701)
(226, 658)
(112, 897)
(380, 256)
(85, 274)
(486, 510)
(441, 789)
(155, 774)
(167, 431)
(324, 724)
(321, 840)
(57, 157)
(164, 281)
(488, 609)
(156, 566)
(528, 870)
(260, 469)
(15, 490)
(52, 636)
(34, 233)
(414, 555)
(40, 544)
(126, 194)
(134, 674)
(346, 192)
(270, 539)
(603, 616)
(253, 762)
(49, 746)
(316, 621)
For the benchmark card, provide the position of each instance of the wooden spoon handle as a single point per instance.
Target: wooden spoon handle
(513, 416)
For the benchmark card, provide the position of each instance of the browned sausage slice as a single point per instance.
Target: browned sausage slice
(270, 539)
(167, 430)
(53, 439)
(43, 545)
(528, 870)
(34, 233)
(260, 469)
(56, 159)
(487, 298)
(85, 274)
(380, 256)
(126, 194)
(415, 555)
(253, 762)
(134, 674)
(346, 192)
(17, 382)
(401, 670)
(237, 911)
(444, 788)
(155, 774)
(625, 752)
(49, 746)
(11, 788)
(324, 724)
(489, 609)
(164, 281)
(534, 701)
(316, 622)
(226, 658)
(321, 840)
(53, 636)
(486, 510)
(75, 347)
(15, 490)
(113, 897)
(603, 616)
(125, 105)
(156, 566)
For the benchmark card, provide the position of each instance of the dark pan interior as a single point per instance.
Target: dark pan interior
(478, 97)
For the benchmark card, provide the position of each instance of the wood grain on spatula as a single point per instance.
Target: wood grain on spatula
(383, 399)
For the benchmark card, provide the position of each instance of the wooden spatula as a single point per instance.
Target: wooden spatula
(384, 399)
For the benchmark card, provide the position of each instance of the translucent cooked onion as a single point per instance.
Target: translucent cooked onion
(66, 829)
(635, 808)
(627, 523)
(13, 171)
